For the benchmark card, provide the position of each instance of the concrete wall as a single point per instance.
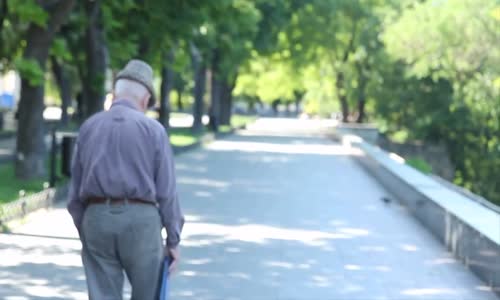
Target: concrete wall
(435, 155)
(469, 229)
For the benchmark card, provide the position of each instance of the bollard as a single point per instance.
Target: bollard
(68, 143)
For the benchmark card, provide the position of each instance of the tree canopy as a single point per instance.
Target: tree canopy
(429, 69)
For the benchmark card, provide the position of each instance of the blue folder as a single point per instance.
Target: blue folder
(164, 280)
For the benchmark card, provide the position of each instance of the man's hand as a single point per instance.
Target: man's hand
(174, 256)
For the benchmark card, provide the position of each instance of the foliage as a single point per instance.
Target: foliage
(28, 11)
(30, 70)
(423, 70)
(419, 164)
(448, 54)
(269, 78)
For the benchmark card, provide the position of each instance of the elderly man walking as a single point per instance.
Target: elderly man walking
(123, 192)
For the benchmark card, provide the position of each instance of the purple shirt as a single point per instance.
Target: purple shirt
(122, 153)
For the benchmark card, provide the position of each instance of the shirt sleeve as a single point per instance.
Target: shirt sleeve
(76, 206)
(166, 191)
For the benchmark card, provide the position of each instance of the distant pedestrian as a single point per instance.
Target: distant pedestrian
(123, 192)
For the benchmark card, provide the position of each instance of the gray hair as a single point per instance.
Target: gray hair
(125, 88)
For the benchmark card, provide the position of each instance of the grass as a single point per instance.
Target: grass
(419, 164)
(225, 129)
(183, 136)
(240, 120)
(11, 187)
(182, 140)
(399, 136)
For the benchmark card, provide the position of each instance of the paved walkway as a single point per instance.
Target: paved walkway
(272, 214)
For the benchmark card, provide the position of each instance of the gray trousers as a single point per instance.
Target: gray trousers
(117, 238)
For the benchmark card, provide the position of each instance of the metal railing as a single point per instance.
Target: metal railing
(30, 203)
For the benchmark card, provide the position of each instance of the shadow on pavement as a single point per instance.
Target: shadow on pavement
(270, 218)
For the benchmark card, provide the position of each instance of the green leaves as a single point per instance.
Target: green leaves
(268, 79)
(30, 70)
(456, 42)
(28, 11)
(60, 49)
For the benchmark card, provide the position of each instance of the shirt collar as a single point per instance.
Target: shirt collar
(125, 102)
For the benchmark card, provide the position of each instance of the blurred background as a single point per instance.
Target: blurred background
(425, 74)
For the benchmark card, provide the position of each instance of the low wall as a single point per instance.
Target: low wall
(30, 203)
(436, 155)
(469, 228)
(368, 132)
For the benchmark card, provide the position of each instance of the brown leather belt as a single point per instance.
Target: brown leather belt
(102, 200)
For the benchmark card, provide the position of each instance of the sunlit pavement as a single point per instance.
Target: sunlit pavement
(272, 213)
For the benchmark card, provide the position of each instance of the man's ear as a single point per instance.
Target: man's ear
(145, 102)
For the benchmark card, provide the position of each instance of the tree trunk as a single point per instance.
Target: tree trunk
(30, 156)
(342, 97)
(143, 50)
(80, 107)
(93, 83)
(215, 101)
(143, 41)
(341, 92)
(180, 106)
(167, 75)
(275, 105)
(299, 95)
(361, 110)
(251, 106)
(363, 81)
(227, 102)
(362, 97)
(64, 83)
(81, 96)
(76, 45)
(199, 87)
(3, 13)
(217, 82)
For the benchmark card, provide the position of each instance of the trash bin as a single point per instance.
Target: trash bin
(67, 147)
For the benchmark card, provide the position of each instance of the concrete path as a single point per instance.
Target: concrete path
(271, 214)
